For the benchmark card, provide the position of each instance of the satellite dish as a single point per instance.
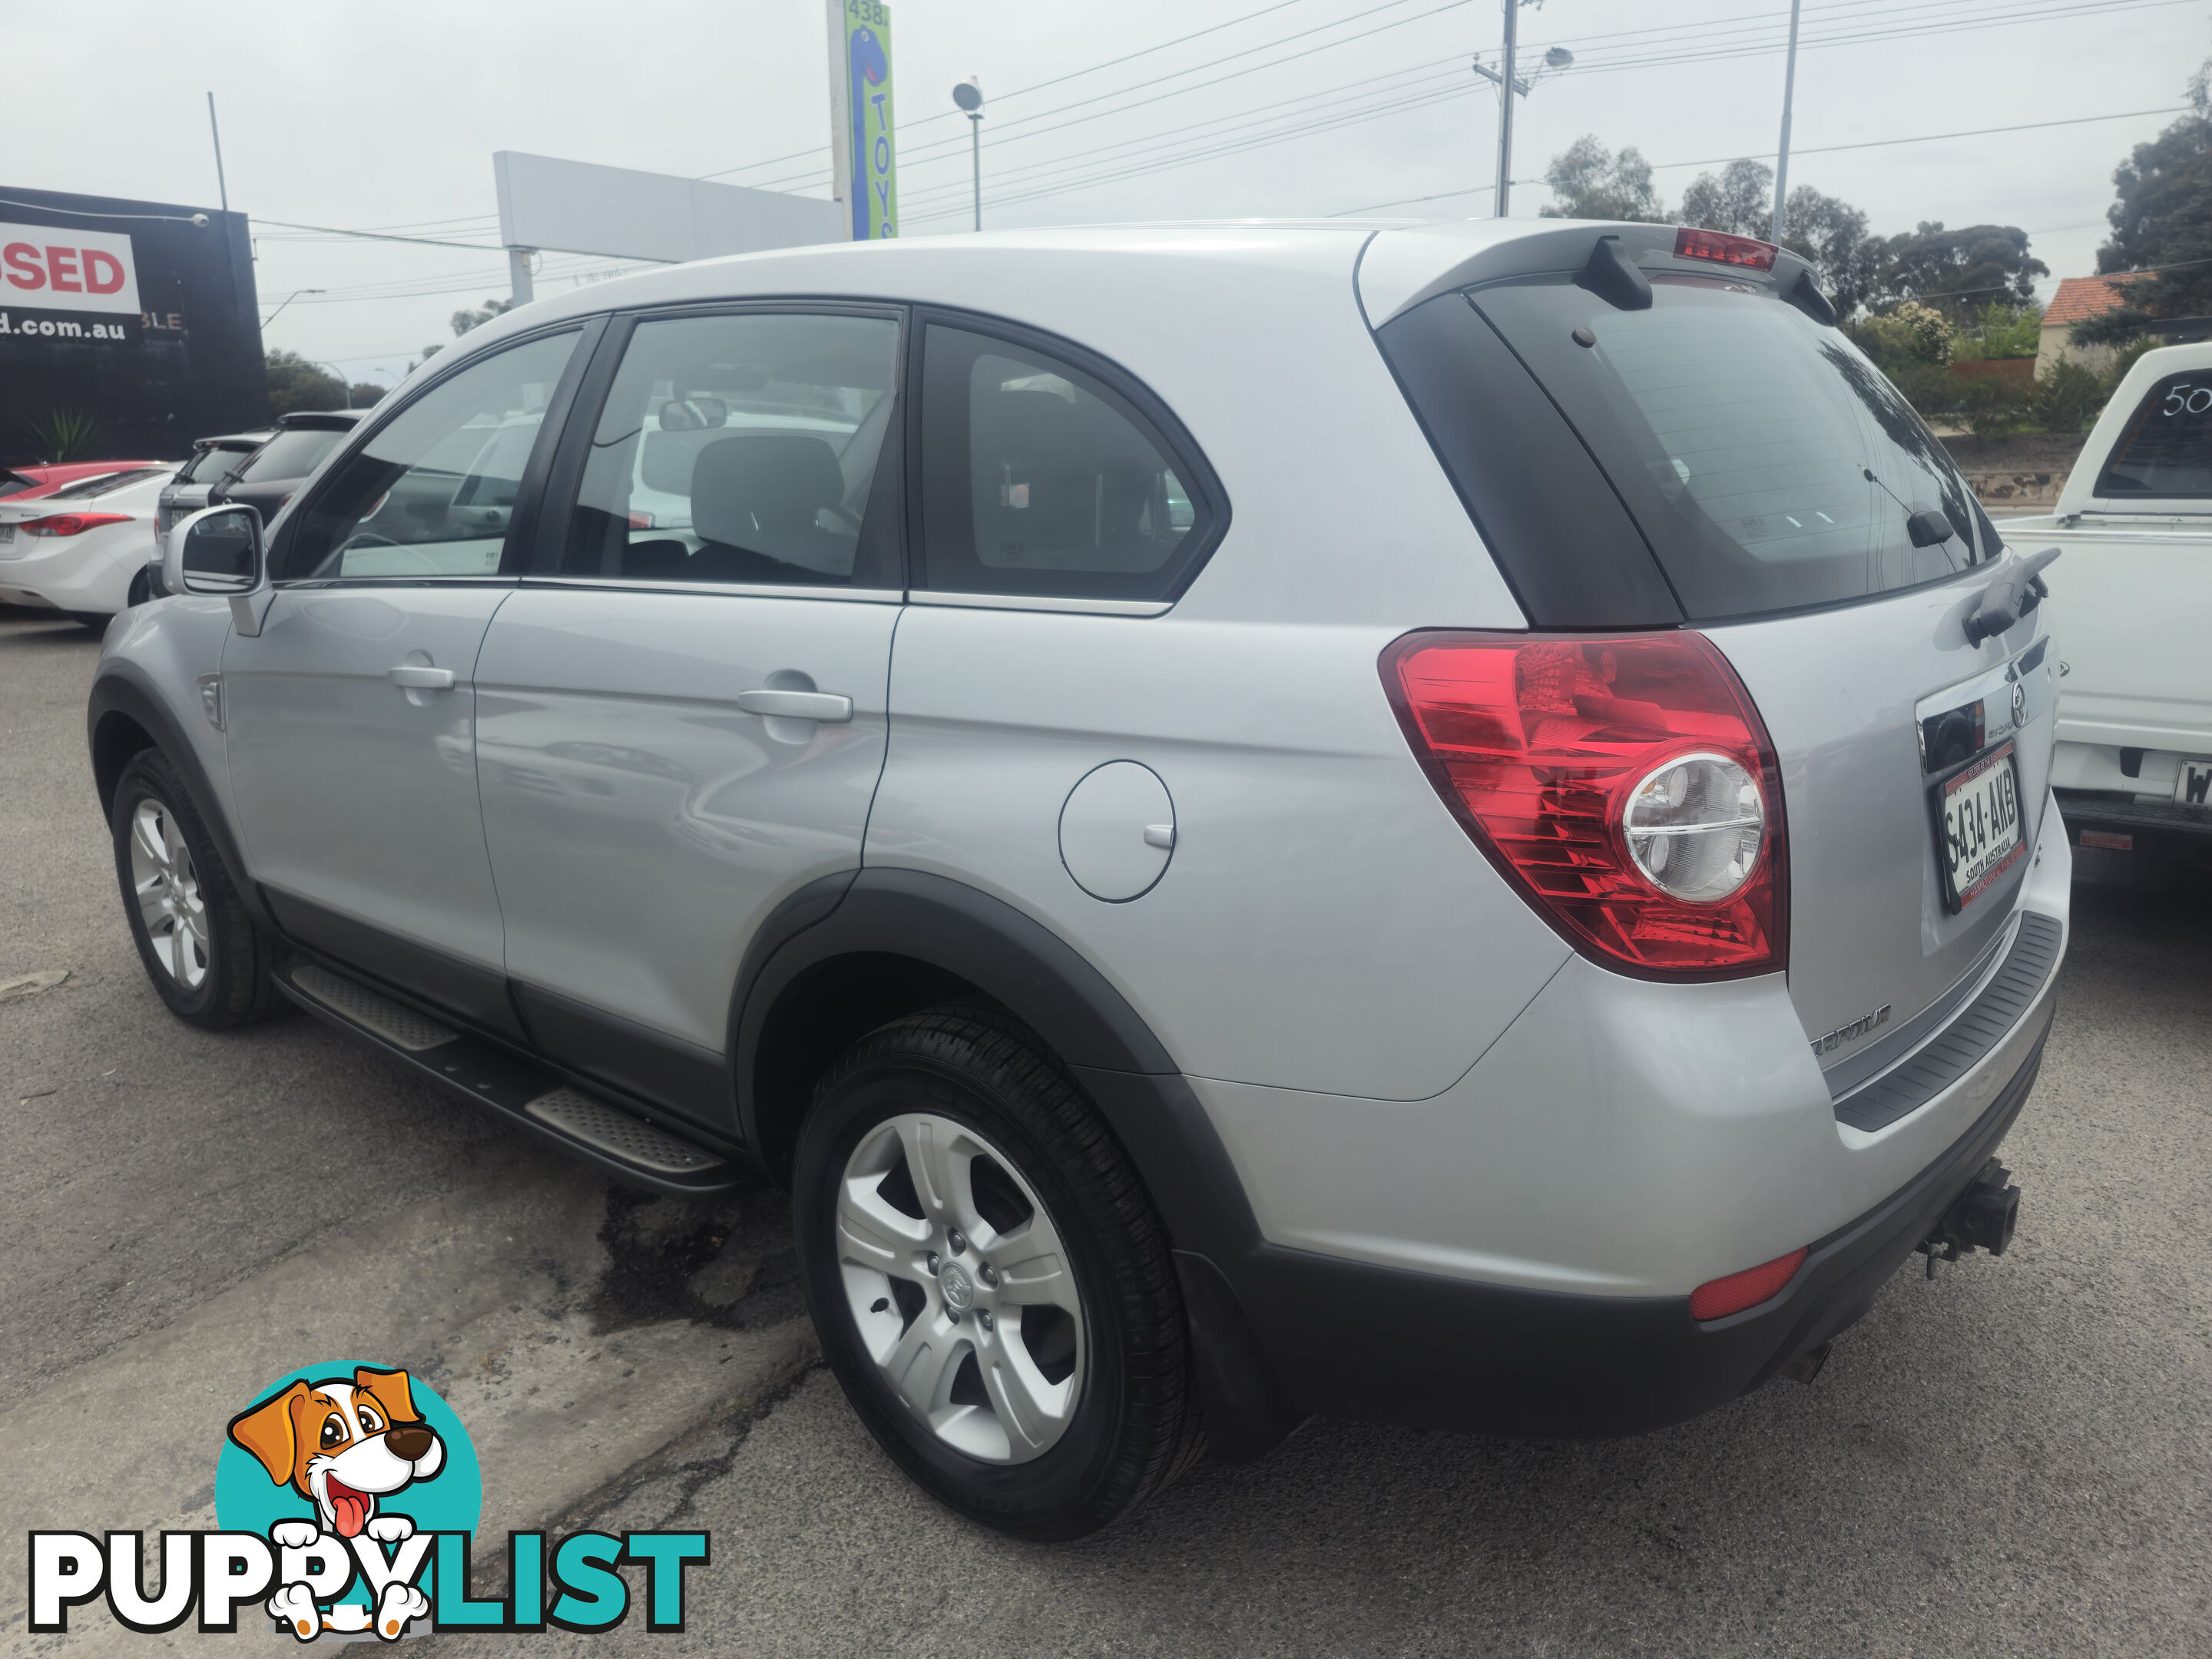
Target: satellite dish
(968, 94)
(1558, 58)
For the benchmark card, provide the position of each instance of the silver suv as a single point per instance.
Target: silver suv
(1445, 825)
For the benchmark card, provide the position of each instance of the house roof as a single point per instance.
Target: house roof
(2080, 298)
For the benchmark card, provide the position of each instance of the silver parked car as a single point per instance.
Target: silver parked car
(212, 458)
(1447, 825)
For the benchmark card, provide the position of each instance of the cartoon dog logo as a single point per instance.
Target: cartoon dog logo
(343, 1445)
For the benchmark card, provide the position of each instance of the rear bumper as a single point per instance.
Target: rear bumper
(1349, 1339)
(2123, 823)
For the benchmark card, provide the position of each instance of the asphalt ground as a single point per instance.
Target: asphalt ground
(2012, 1459)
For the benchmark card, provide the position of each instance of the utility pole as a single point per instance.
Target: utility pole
(968, 95)
(521, 291)
(1505, 91)
(222, 189)
(1782, 160)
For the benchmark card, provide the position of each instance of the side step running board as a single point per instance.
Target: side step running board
(534, 1097)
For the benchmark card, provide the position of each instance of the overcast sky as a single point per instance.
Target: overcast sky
(379, 115)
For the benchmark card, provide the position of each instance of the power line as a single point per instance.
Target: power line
(1007, 131)
(1075, 166)
(1020, 91)
(382, 236)
(1821, 149)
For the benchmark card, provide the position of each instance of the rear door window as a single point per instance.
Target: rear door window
(1038, 477)
(2164, 451)
(1764, 461)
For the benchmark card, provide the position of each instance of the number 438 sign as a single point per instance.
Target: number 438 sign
(861, 114)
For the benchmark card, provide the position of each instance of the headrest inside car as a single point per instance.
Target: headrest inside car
(693, 414)
(765, 492)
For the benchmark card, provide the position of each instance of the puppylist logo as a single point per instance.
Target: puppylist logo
(347, 1497)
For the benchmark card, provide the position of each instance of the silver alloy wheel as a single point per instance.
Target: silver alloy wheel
(167, 890)
(973, 1318)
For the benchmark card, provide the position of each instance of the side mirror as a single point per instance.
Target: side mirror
(215, 550)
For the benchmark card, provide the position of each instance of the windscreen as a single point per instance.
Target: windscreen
(291, 454)
(1767, 462)
(209, 464)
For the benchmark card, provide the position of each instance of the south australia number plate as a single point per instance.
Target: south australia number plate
(1979, 828)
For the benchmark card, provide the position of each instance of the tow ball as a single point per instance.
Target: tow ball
(1980, 1218)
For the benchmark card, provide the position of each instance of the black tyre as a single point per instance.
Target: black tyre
(97, 620)
(142, 588)
(989, 1279)
(207, 960)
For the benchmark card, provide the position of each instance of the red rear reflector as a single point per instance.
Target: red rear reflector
(1728, 250)
(2108, 840)
(72, 524)
(1723, 1296)
(1537, 745)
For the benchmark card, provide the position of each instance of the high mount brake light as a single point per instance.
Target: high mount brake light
(71, 524)
(1728, 250)
(1625, 786)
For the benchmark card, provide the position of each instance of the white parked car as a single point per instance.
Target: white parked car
(2134, 763)
(83, 551)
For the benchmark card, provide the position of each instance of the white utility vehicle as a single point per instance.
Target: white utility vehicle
(2134, 763)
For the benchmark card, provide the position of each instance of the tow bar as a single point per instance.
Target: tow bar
(1980, 1218)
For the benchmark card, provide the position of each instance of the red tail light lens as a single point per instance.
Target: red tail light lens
(1625, 786)
(72, 524)
(1728, 250)
(1717, 1298)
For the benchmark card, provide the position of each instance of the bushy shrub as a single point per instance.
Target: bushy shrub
(1906, 334)
(2070, 397)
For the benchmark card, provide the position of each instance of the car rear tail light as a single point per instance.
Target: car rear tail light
(1625, 786)
(1717, 1298)
(72, 524)
(1718, 244)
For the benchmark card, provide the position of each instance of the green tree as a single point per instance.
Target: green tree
(1738, 200)
(1958, 271)
(464, 320)
(1825, 229)
(296, 383)
(2002, 330)
(2161, 220)
(364, 394)
(1591, 182)
(2070, 397)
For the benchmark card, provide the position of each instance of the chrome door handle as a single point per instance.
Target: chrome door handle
(825, 706)
(417, 677)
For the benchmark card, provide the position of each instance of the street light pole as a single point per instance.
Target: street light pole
(1505, 89)
(968, 95)
(1782, 159)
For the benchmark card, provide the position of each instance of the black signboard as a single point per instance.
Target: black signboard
(139, 318)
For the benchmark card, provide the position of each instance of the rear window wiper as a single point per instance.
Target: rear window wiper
(2018, 589)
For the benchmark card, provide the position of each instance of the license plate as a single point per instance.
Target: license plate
(7, 534)
(1979, 827)
(2194, 786)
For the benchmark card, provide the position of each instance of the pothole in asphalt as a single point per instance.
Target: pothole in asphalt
(725, 1262)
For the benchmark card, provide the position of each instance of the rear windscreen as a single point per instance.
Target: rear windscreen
(291, 454)
(1763, 461)
(2165, 448)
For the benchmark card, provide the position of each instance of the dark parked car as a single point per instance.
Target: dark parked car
(280, 466)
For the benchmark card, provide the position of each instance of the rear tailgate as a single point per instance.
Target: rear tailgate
(1717, 455)
(1878, 954)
